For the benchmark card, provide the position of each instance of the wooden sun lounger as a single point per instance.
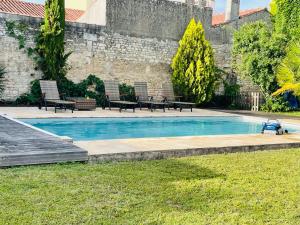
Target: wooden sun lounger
(170, 98)
(141, 93)
(51, 97)
(112, 94)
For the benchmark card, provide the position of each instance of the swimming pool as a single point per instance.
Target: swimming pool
(83, 129)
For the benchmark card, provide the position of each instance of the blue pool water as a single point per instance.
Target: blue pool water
(121, 128)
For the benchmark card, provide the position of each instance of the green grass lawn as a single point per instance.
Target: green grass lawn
(248, 188)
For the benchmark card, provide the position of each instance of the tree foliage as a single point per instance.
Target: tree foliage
(257, 53)
(287, 17)
(193, 65)
(50, 43)
(288, 72)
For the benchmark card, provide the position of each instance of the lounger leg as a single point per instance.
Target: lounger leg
(46, 106)
(109, 106)
(164, 108)
(133, 109)
(180, 108)
(120, 109)
(191, 108)
(151, 107)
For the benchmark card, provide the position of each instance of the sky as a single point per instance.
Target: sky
(220, 4)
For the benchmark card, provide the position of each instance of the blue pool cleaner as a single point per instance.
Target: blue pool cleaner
(273, 127)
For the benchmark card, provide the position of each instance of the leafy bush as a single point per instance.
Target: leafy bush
(2, 72)
(286, 18)
(31, 98)
(288, 72)
(275, 105)
(193, 66)
(257, 53)
(128, 92)
(92, 87)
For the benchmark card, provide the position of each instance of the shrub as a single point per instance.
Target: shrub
(193, 66)
(92, 87)
(288, 72)
(286, 18)
(256, 55)
(275, 105)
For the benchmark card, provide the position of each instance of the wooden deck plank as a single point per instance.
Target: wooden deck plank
(22, 145)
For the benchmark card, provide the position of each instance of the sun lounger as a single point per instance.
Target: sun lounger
(51, 97)
(170, 98)
(143, 98)
(112, 94)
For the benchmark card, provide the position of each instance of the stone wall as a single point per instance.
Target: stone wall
(109, 55)
(128, 54)
(160, 19)
(19, 67)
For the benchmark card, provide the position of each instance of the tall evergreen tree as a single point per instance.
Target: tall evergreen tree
(193, 65)
(50, 44)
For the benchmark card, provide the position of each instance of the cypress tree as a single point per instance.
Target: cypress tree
(50, 43)
(193, 65)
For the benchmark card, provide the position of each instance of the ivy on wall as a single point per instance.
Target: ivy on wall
(17, 30)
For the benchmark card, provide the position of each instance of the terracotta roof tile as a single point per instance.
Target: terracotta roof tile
(33, 9)
(220, 18)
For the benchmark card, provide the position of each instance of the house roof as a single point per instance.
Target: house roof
(220, 18)
(33, 9)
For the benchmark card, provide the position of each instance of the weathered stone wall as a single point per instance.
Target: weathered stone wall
(110, 53)
(19, 67)
(115, 56)
(160, 19)
(95, 50)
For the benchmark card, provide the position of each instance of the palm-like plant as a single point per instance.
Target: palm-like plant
(2, 72)
(288, 73)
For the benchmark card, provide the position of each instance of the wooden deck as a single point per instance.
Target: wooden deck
(22, 145)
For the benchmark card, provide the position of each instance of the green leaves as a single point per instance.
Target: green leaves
(288, 72)
(193, 65)
(50, 43)
(287, 18)
(256, 54)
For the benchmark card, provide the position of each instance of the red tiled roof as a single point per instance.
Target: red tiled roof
(33, 9)
(220, 18)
